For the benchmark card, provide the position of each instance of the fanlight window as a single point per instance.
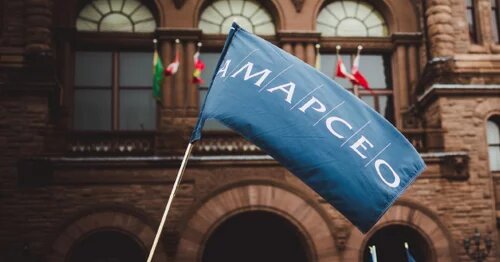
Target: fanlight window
(252, 16)
(351, 18)
(115, 16)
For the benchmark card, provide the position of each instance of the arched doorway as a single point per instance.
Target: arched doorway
(390, 244)
(107, 246)
(256, 236)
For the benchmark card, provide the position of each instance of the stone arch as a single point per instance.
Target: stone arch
(241, 198)
(395, 12)
(272, 6)
(486, 109)
(155, 6)
(415, 216)
(104, 220)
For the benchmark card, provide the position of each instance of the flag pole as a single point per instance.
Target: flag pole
(170, 199)
(338, 47)
(317, 62)
(356, 89)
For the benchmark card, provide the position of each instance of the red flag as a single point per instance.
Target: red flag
(341, 70)
(199, 66)
(358, 78)
(174, 66)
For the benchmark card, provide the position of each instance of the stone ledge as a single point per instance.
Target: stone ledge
(458, 90)
(43, 171)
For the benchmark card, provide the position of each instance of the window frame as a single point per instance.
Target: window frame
(495, 119)
(474, 37)
(382, 46)
(374, 9)
(267, 5)
(114, 43)
(496, 12)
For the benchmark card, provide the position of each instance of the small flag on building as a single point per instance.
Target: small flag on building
(336, 144)
(358, 78)
(157, 73)
(341, 70)
(408, 254)
(174, 66)
(199, 66)
(317, 63)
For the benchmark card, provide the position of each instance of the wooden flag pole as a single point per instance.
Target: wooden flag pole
(170, 199)
(356, 90)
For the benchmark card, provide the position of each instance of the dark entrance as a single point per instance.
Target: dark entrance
(107, 246)
(389, 242)
(256, 236)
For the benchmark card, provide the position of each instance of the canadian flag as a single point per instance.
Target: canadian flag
(199, 66)
(341, 70)
(358, 78)
(174, 66)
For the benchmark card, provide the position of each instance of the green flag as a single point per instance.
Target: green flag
(158, 75)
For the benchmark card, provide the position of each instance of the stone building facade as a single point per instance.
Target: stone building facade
(77, 173)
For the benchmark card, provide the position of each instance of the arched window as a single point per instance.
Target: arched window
(216, 19)
(251, 15)
(113, 82)
(351, 18)
(115, 16)
(361, 21)
(493, 139)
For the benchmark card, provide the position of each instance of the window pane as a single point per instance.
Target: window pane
(350, 18)
(382, 105)
(115, 16)
(471, 21)
(92, 109)
(116, 5)
(137, 110)
(136, 69)
(494, 22)
(210, 60)
(494, 154)
(369, 100)
(218, 17)
(116, 23)
(493, 133)
(329, 64)
(93, 69)
(372, 67)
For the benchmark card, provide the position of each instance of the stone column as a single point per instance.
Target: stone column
(180, 96)
(440, 29)
(405, 70)
(178, 113)
(302, 43)
(38, 17)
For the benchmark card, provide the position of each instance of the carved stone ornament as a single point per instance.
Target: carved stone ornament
(179, 3)
(298, 5)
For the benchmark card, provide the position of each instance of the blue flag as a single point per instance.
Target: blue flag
(345, 151)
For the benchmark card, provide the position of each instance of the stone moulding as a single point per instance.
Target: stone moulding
(179, 3)
(298, 4)
(452, 165)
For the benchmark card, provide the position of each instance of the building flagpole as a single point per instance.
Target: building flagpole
(170, 200)
(355, 86)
